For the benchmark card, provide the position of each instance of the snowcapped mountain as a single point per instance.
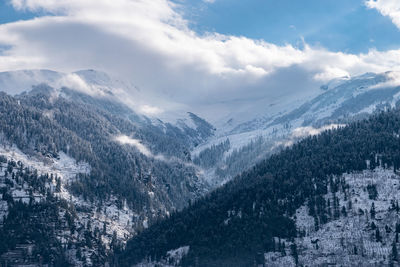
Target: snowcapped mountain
(337, 103)
(340, 98)
(125, 164)
(257, 127)
(16, 82)
(245, 122)
(103, 88)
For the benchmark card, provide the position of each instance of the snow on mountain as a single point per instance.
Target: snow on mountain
(334, 83)
(350, 239)
(118, 222)
(245, 118)
(242, 121)
(87, 81)
(16, 82)
(99, 78)
(349, 97)
(99, 84)
(339, 102)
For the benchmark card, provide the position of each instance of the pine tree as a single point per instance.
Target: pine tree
(58, 185)
(295, 255)
(316, 223)
(349, 205)
(378, 237)
(373, 226)
(104, 228)
(344, 212)
(395, 255)
(372, 211)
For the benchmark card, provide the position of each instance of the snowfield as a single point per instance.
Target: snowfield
(349, 240)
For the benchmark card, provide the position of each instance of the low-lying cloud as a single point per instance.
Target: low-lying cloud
(302, 132)
(126, 140)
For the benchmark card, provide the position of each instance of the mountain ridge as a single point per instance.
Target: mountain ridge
(230, 226)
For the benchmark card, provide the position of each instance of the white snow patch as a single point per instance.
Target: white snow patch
(334, 243)
(66, 168)
(176, 255)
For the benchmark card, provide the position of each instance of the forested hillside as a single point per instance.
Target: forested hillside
(241, 220)
(117, 171)
(149, 169)
(40, 223)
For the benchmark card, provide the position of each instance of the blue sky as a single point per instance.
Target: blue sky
(9, 14)
(141, 40)
(338, 25)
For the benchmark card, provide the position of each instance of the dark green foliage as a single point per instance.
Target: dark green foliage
(372, 211)
(395, 254)
(372, 191)
(209, 156)
(295, 254)
(268, 194)
(85, 128)
(378, 237)
(343, 211)
(240, 159)
(33, 224)
(40, 219)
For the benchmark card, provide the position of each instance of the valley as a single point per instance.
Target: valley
(159, 168)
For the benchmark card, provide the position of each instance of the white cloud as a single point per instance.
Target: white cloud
(72, 80)
(150, 43)
(389, 8)
(393, 80)
(150, 110)
(301, 132)
(126, 140)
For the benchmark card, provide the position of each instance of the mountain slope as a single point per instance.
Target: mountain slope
(144, 169)
(137, 171)
(106, 92)
(256, 128)
(36, 122)
(340, 102)
(235, 223)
